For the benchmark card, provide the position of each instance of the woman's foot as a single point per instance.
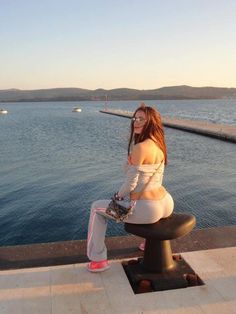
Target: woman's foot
(96, 267)
(142, 246)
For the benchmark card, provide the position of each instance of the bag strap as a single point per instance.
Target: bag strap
(150, 179)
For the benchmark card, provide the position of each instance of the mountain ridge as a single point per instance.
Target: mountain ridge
(100, 94)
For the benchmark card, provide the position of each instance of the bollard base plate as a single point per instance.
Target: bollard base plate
(141, 280)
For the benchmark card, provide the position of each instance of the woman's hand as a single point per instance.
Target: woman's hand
(116, 197)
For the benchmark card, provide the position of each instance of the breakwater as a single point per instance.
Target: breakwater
(219, 131)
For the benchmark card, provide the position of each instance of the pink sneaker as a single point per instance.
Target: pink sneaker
(96, 267)
(142, 246)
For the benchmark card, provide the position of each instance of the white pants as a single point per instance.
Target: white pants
(145, 212)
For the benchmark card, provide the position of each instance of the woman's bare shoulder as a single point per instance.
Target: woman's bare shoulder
(153, 152)
(147, 143)
(145, 146)
(150, 144)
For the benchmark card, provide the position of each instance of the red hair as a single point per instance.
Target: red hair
(153, 129)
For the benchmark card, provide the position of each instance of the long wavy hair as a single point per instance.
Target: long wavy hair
(153, 129)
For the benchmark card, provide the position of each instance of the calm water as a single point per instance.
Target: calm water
(54, 163)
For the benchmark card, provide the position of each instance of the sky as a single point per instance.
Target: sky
(117, 43)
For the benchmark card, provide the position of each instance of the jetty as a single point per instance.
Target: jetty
(220, 131)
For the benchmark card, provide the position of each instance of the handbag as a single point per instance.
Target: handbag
(119, 209)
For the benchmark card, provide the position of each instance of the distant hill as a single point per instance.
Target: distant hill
(79, 94)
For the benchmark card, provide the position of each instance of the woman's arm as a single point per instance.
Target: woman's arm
(130, 182)
(132, 174)
(138, 154)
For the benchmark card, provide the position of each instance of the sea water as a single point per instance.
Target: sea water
(54, 163)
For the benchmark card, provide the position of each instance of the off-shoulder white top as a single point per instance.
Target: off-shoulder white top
(137, 177)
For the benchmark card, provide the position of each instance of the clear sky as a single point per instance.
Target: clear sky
(143, 44)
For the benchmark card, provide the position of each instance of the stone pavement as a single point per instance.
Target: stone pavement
(72, 289)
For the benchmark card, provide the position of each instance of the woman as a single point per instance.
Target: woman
(147, 157)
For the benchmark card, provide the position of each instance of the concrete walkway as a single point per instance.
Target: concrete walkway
(72, 289)
(220, 131)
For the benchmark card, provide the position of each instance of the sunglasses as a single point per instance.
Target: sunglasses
(138, 119)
